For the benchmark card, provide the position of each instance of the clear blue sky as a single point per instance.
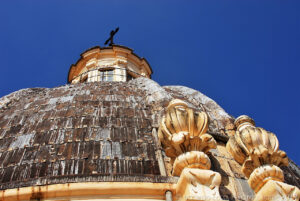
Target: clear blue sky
(242, 54)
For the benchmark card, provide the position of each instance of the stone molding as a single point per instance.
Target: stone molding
(257, 150)
(90, 190)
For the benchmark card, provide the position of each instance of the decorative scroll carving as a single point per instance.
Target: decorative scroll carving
(182, 129)
(193, 159)
(182, 133)
(257, 150)
(278, 191)
(263, 174)
(197, 184)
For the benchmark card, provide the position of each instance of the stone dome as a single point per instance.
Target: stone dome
(105, 132)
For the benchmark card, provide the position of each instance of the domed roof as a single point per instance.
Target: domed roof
(104, 131)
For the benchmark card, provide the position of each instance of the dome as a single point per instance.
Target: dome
(103, 132)
(126, 137)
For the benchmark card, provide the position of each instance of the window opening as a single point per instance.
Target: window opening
(107, 75)
(129, 77)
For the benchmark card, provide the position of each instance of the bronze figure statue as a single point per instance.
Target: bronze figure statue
(111, 38)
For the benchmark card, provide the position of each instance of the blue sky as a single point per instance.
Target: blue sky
(242, 54)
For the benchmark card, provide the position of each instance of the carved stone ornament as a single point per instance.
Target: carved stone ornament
(278, 191)
(257, 150)
(183, 129)
(197, 184)
(192, 159)
(182, 133)
(263, 174)
(253, 147)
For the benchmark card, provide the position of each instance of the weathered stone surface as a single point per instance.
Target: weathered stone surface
(73, 132)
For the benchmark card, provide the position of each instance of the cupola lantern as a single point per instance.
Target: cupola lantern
(112, 63)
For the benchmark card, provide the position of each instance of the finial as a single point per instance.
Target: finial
(111, 38)
(243, 121)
